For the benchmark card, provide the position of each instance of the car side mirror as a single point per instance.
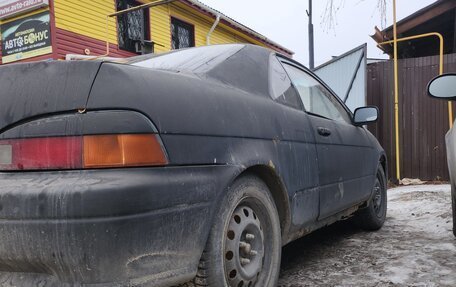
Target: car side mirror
(443, 87)
(365, 115)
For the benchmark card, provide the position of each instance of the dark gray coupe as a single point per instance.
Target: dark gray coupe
(194, 165)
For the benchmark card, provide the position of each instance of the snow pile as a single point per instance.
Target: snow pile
(416, 247)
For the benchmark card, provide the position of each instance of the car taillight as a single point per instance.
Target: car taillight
(122, 150)
(78, 152)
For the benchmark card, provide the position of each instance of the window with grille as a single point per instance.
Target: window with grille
(132, 27)
(182, 34)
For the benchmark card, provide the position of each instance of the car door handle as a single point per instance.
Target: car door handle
(324, 132)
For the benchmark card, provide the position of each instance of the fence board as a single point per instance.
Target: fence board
(423, 121)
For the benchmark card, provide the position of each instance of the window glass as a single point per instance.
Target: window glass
(132, 26)
(182, 34)
(196, 60)
(315, 97)
(281, 88)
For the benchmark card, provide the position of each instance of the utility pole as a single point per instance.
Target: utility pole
(311, 38)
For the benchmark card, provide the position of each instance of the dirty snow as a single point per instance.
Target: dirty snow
(415, 247)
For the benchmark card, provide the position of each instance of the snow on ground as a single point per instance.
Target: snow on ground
(415, 247)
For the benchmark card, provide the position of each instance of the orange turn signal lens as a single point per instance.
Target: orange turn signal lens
(122, 151)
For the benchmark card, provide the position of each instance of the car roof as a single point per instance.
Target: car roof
(241, 66)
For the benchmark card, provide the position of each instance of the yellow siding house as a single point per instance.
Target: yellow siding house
(80, 28)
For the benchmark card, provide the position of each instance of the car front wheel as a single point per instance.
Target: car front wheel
(244, 245)
(373, 216)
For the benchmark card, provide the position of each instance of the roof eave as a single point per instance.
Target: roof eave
(433, 10)
(380, 37)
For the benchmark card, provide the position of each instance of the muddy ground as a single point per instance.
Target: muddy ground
(415, 247)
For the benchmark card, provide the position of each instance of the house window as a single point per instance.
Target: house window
(133, 27)
(182, 34)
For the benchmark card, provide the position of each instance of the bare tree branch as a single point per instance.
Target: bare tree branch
(329, 17)
(381, 6)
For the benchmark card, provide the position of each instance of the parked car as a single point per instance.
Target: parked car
(198, 164)
(444, 87)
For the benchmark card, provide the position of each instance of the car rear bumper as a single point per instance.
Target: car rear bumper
(107, 227)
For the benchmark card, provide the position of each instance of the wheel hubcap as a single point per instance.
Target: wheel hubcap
(244, 248)
(377, 199)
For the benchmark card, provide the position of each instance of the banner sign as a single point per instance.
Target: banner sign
(26, 38)
(10, 8)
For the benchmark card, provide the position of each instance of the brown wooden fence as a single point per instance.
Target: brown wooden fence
(423, 121)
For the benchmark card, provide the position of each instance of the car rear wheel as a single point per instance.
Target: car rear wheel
(373, 216)
(244, 245)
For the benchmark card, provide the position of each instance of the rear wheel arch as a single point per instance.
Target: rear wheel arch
(383, 162)
(278, 191)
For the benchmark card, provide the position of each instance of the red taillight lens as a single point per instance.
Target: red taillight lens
(42, 153)
(104, 151)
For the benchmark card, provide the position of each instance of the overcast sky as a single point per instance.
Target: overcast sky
(286, 22)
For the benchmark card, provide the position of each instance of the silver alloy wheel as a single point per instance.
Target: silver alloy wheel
(244, 248)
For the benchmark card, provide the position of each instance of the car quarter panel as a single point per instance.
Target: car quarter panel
(184, 105)
(179, 103)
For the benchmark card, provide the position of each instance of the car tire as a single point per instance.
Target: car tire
(244, 245)
(373, 216)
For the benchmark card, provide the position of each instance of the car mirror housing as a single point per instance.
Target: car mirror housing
(365, 115)
(443, 87)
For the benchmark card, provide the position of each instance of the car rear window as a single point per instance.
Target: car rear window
(196, 60)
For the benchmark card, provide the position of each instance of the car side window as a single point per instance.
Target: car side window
(281, 87)
(316, 98)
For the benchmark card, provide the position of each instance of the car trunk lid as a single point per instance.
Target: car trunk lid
(33, 89)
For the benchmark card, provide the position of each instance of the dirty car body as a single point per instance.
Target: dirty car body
(217, 114)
